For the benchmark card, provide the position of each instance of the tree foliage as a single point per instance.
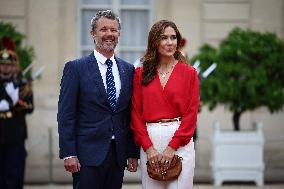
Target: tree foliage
(249, 73)
(25, 53)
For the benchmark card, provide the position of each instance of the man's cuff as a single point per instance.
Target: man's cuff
(69, 157)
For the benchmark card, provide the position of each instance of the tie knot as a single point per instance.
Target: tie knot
(109, 63)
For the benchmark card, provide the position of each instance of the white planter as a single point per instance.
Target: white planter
(237, 155)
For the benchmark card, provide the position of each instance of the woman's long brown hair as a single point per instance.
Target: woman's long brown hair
(151, 58)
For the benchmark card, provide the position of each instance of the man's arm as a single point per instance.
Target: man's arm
(133, 149)
(66, 117)
(67, 109)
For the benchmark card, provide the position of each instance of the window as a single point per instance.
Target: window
(135, 16)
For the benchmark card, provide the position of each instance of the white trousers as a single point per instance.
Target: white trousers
(160, 135)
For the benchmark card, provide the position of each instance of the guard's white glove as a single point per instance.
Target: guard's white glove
(12, 92)
(4, 105)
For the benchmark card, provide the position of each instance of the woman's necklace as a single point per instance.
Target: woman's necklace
(164, 74)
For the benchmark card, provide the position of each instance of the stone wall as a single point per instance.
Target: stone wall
(50, 26)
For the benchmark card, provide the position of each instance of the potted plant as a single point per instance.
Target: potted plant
(249, 75)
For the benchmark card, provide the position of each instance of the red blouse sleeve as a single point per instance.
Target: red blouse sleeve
(138, 125)
(188, 123)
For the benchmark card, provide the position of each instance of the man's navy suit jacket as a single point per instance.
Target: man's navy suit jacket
(86, 122)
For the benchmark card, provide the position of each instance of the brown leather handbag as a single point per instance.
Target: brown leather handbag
(171, 173)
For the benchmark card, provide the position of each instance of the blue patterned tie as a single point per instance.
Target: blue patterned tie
(111, 91)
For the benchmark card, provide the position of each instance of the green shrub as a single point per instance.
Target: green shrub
(249, 73)
(25, 53)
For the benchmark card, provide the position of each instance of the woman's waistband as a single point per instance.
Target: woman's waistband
(167, 120)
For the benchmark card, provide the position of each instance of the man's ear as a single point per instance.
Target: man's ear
(93, 34)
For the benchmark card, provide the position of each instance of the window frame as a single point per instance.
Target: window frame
(117, 7)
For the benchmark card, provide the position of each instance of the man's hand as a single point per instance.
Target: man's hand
(72, 165)
(12, 92)
(132, 164)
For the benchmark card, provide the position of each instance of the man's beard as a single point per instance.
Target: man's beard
(103, 46)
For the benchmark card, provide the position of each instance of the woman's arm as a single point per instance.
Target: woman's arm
(188, 123)
(138, 125)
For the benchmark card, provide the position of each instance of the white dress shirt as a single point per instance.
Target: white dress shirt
(103, 69)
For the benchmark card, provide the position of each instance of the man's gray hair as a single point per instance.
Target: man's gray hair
(104, 13)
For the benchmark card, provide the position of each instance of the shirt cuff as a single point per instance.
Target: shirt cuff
(69, 157)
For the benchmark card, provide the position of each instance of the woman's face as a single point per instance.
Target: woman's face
(168, 44)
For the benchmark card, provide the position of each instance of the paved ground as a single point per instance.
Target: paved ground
(196, 186)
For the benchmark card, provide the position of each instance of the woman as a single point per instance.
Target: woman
(164, 107)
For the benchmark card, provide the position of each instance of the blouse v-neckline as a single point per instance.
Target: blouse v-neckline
(159, 80)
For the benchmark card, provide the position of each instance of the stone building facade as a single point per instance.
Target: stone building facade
(54, 29)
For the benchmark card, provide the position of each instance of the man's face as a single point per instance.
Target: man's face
(7, 70)
(106, 35)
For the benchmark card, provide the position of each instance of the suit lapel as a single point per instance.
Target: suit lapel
(123, 81)
(96, 78)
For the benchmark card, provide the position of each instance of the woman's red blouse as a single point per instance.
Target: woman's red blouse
(179, 98)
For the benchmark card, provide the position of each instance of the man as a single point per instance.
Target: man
(16, 100)
(94, 112)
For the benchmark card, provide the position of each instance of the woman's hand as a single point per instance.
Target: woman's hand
(167, 157)
(154, 158)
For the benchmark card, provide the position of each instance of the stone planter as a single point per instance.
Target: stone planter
(237, 155)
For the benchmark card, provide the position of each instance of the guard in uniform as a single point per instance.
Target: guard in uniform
(16, 100)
